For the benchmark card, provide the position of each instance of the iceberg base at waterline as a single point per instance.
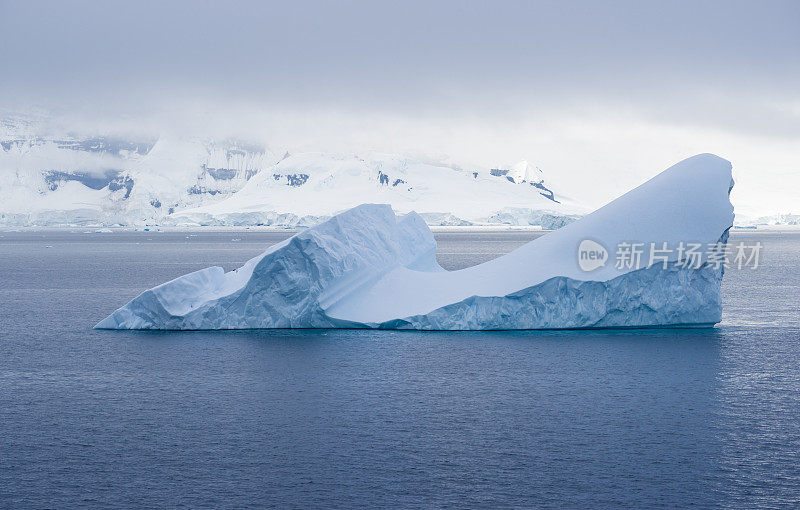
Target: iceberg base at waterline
(649, 297)
(367, 268)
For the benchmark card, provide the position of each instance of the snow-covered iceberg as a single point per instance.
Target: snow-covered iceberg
(649, 258)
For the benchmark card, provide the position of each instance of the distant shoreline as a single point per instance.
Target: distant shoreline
(435, 229)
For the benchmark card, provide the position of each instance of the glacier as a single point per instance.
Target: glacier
(368, 268)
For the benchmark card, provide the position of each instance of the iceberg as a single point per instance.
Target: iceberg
(649, 258)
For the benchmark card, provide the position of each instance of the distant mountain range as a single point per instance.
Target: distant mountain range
(67, 179)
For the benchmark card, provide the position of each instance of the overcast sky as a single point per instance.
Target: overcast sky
(600, 95)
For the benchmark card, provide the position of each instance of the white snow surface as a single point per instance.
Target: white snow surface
(367, 268)
(61, 179)
(325, 184)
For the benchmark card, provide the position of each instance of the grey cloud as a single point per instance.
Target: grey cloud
(448, 57)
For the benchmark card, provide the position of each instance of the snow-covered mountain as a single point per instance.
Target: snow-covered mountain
(51, 179)
(787, 219)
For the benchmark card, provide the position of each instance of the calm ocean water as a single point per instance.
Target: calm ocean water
(298, 419)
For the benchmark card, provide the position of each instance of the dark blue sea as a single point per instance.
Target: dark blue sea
(383, 419)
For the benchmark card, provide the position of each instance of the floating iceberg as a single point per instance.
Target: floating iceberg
(649, 258)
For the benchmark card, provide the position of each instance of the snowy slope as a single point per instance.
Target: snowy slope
(319, 185)
(49, 178)
(73, 180)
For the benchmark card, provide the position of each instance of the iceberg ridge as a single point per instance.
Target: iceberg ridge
(289, 285)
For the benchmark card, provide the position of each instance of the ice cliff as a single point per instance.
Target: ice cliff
(367, 268)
